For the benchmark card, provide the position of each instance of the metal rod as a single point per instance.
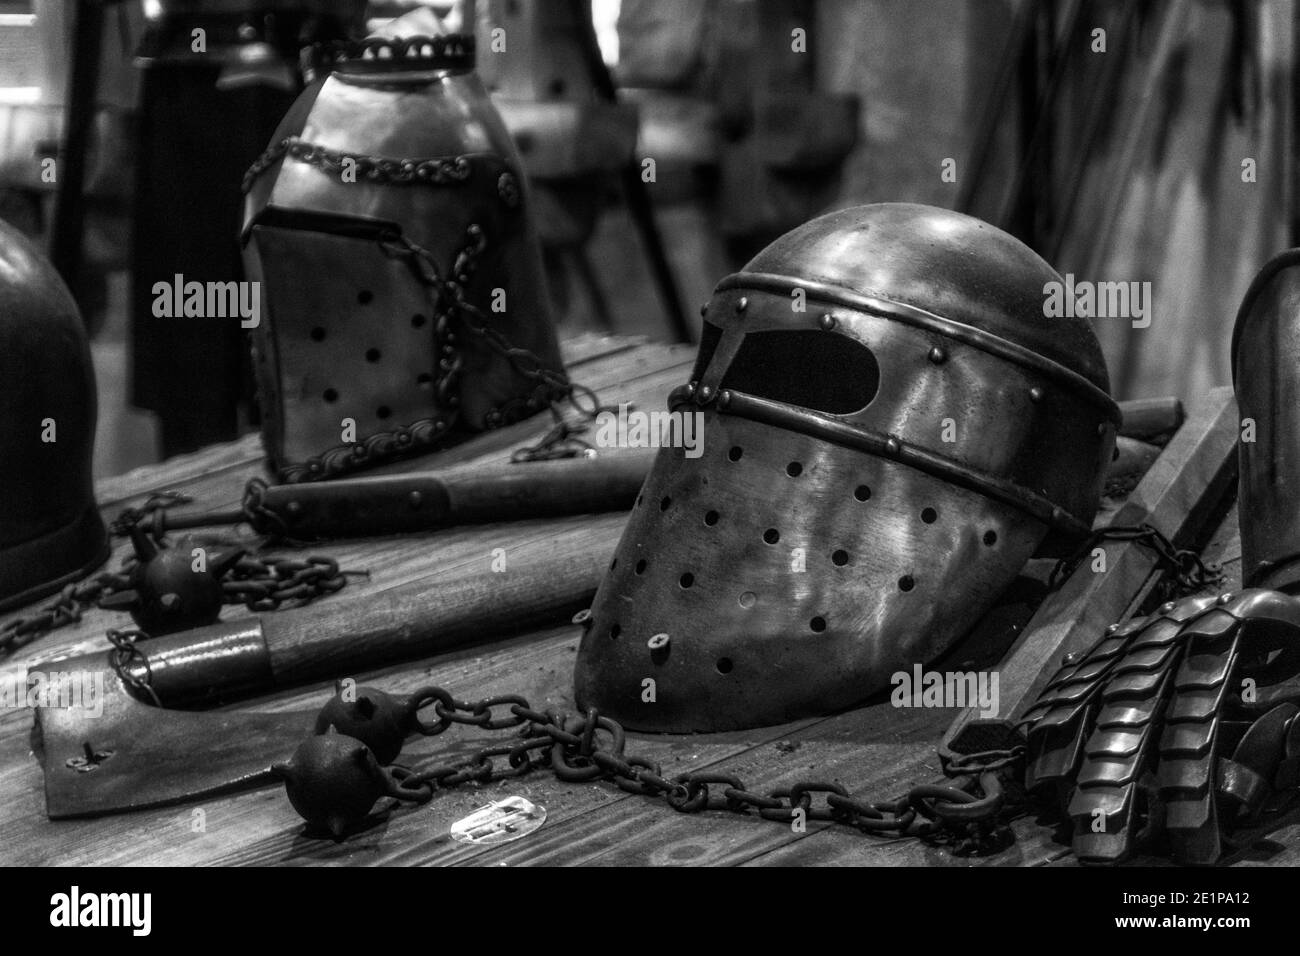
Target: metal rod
(635, 193)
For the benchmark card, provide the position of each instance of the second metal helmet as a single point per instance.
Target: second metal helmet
(389, 227)
(1266, 372)
(50, 529)
(891, 427)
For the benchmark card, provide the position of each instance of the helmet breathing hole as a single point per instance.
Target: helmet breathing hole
(747, 599)
(711, 518)
(383, 411)
(640, 500)
(318, 334)
(839, 557)
(906, 583)
(424, 380)
(372, 355)
(665, 502)
(735, 453)
(817, 624)
(640, 566)
(613, 564)
(330, 395)
(929, 515)
(723, 665)
(794, 469)
(686, 580)
(365, 296)
(990, 538)
(862, 492)
(614, 631)
(771, 536)
(417, 321)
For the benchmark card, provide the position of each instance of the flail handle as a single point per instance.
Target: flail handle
(526, 584)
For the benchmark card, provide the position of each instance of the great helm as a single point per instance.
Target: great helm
(401, 280)
(51, 532)
(891, 428)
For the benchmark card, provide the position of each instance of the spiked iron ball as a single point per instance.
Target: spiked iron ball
(333, 781)
(379, 720)
(174, 588)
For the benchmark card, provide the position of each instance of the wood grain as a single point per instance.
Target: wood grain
(876, 750)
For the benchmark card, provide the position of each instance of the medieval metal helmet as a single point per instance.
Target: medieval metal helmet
(891, 426)
(51, 532)
(401, 280)
(1265, 349)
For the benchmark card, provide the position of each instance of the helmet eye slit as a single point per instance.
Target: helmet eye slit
(805, 368)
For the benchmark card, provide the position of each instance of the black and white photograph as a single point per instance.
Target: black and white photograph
(651, 434)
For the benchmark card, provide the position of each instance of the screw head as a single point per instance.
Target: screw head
(742, 304)
(938, 356)
(827, 322)
(1035, 394)
(659, 647)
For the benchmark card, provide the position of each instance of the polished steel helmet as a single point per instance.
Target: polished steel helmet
(50, 529)
(891, 426)
(403, 299)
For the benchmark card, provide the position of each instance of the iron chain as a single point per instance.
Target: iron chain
(263, 584)
(260, 584)
(73, 601)
(968, 810)
(1187, 572)
(77, 598)
(551, 387)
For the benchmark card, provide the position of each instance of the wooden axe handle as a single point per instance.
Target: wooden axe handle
(543, 580)
(427, 500)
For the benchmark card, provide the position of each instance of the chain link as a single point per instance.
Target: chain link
(437, 171)
(77, 598)
(967, 811)
(125, 653)
(264, 584)
(131, 516)
(551, 387)
(73, 601)
(258, 583)
(1188, 574)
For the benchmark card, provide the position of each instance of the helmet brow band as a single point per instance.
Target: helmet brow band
(817, 425)
(929, 322)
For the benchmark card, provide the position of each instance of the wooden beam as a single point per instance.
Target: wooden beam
(1176, 496)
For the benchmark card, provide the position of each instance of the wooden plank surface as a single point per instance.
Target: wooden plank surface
(876, 750)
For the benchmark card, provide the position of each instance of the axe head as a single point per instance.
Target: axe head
(104, 750)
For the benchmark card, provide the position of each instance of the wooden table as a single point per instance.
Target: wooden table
(876, 750)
